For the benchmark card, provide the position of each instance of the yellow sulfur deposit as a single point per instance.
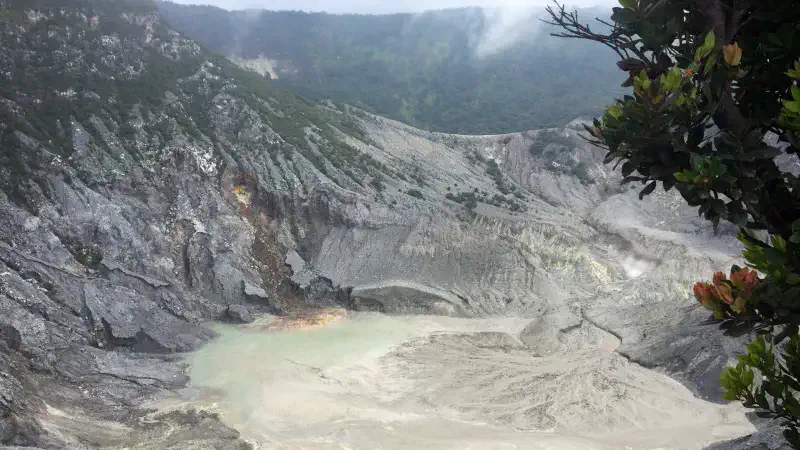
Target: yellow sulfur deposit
(302, 320)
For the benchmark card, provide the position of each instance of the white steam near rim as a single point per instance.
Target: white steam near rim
(512, 21)
(634, 267)
(505, 27)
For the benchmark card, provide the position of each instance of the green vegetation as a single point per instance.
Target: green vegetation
(710, 80)
(493, 170)
(88, 255)
(377, 183)
(6, 14)
(424, 70)
(416, 194)
(499, 179)
(470, 200)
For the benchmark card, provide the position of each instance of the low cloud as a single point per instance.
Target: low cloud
(383, 6)
(505, 27)
(512, 21)
(508, 21)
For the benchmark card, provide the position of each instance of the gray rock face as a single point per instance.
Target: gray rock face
(12, 402)
(80, 363)
(407, 298)
(124, 318)
(239, 314)
(771, 439)
(258, 297)
(253, 293)
(11, 337)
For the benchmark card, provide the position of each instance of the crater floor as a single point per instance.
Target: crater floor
(370, 381)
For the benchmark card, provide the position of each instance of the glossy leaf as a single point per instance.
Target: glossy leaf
(647, 190)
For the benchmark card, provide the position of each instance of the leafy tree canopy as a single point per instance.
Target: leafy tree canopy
(715, 100)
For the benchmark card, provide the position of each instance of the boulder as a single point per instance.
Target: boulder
(254, 294)
(11, 336)
(238, 314)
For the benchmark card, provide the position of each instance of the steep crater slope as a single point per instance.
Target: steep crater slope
(147, 186)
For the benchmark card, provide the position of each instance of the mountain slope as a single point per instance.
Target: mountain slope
(148, 186)
(459, 71)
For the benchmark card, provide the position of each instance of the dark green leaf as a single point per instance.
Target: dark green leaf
(647, 190)
(739, 219)
(627, 83)
(628, 168)
(747, 171)
(774, 388)
(610, 157)
(696, 136)
(774, 256)
(623, 16)
(792, 106)
(718, 206)
(753, 139)
(733, 328)
(761, 153)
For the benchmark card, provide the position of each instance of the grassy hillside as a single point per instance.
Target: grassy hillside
(429, 70)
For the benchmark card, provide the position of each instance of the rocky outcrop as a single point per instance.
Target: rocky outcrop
(127, 319)
(238, 314)
(407, 298)
(18, 425)
(771, 439)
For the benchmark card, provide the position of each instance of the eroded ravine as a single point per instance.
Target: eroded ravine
(367, 380)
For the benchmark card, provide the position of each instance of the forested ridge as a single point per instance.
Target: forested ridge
(449, 70)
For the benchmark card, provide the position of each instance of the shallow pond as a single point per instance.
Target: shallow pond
(369, 381)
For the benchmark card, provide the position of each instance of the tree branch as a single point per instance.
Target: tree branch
(725, 24)
(568, 21)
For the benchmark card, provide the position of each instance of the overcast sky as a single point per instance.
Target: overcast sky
(380, 6)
